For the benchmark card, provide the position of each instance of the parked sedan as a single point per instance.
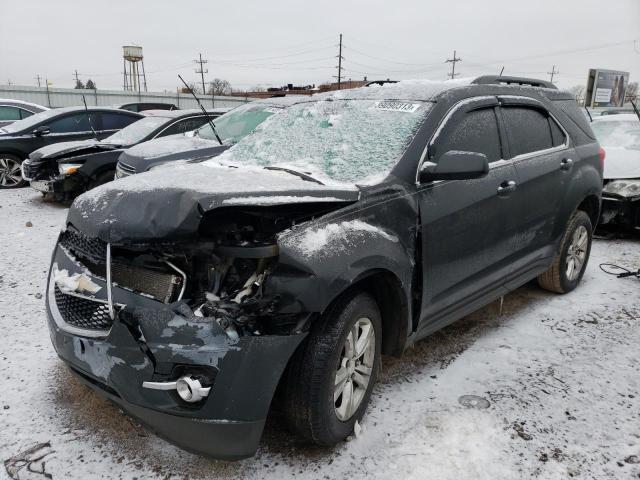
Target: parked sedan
(20, 138)
(202, 143)
(351, 224)
(14, 110)
(67, 169)
(620, 136)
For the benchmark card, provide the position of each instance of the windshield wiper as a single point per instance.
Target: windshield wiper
(303, 176)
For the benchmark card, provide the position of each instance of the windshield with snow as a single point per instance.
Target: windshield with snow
(344, 140)
(237, 123)
(29, 122)
(621, 133)
(136, 132)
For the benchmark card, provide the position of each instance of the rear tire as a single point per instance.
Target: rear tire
(10, 173)
(325, 391)
(568, 267)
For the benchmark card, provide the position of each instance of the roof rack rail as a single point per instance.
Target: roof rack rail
(498, 79)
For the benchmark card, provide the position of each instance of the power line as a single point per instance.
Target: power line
(202, 71)
(453, 62)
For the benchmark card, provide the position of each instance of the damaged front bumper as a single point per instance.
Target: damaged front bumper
(621, 203)
(158, 343)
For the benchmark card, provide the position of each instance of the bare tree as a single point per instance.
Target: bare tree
(578, 93)
(219, 87)
(192, 88)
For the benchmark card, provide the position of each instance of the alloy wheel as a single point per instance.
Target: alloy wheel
(10, 174)
(577, 253)
(354, 369)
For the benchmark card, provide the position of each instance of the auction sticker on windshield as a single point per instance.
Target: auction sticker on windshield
(396, 106)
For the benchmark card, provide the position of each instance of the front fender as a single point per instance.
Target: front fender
(318, 263)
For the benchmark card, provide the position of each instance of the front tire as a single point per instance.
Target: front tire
(10, 173)
(568, 267)
(331, 376)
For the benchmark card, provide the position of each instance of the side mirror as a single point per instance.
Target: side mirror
(41, 130)
(455, 165)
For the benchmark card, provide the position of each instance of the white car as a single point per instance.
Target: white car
(619, 135)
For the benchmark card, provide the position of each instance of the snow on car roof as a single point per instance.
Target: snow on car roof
(21, 102)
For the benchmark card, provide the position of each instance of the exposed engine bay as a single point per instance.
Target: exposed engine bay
(219, 276)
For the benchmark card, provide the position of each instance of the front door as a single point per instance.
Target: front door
(466, 224)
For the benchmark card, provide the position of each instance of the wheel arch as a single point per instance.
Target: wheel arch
(591, 206)
(389, 294)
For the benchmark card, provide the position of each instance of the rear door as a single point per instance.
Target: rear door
(466, 224)
(538, 148)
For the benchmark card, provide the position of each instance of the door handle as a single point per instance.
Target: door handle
(566, 164)
(506, 188)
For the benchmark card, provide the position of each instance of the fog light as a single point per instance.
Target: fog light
(190, 389)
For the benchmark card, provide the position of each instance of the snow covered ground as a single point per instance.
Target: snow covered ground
(560, 375)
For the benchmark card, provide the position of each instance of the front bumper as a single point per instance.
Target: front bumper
(150, 341)
(60, 184)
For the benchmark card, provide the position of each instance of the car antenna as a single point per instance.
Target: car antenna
(86, 109)
(203, 109)
(635, 108)
(588, 113)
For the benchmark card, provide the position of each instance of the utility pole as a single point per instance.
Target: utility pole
(77, 79)
(340, 58)
(202, 71)
(38, 78)
(46, 82)
(453, 62)
(553, 72)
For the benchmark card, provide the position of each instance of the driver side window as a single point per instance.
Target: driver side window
(476, 131)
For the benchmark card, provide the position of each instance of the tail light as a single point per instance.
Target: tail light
(601, 154)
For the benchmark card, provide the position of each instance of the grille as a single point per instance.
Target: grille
(83, 246)
(82, 313)
(34, 171)
(123, 169)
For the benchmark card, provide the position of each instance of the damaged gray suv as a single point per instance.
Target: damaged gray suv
(347, 226)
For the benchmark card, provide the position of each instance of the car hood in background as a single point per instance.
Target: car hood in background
(621, 163)
(169, 205)
(65, 148)
(170, 148)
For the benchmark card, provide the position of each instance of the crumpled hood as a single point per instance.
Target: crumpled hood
(63, 148)
(170, 148)
(170, 203)
(621, 163)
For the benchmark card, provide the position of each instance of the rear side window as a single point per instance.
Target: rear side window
(117, 121)
(529, 130)
(477, 131)
(25, 113)
(9, 113)
(72, 123)
(557, 135)
(571, 109)
(185, 125)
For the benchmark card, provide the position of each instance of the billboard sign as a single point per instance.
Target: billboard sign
(606, 88)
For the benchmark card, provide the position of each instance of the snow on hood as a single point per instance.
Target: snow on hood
(163, 204)
(621, 163)
(62, 148)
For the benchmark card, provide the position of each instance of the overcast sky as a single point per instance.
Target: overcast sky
(271, 43)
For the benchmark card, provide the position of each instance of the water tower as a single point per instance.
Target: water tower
(132, 55)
